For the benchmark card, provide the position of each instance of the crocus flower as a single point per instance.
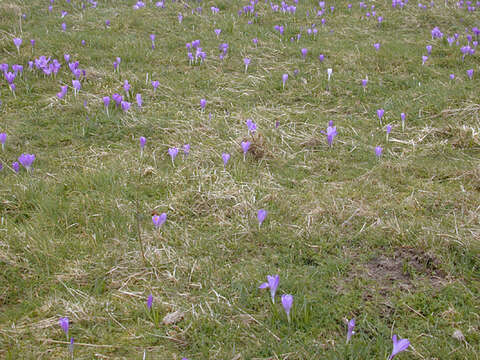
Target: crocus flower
(139, 100)
(152, 39)
(376, 46)
(62, 92)
(424, 59)
(261, 215)
(150, 301)
(155, 85)
(429, 49)
(252, 127)
(284, 79)
(380, 113)
(173, 152)
(32, 42)
(17, 42)
(350, 332)
(218, 31)
(272, 284)
(329, 73)
(245, 147)
(186, 149)
(70, 347)
(143, 141)
(470, 73)
(203, 103)
(331, 133)
(364, 83)
(126, 86)
(225, 158)
(304, 52)
(287, 302)
(64, 27)
(402, 116)
(125, 105)
(159, 220)
(26, 160)
(398, 346)
(388, 129)
(246, 61)
(16, 166)
(64, 324)
(76, 86)
(3, 139)
(452, 76)
(378, 151)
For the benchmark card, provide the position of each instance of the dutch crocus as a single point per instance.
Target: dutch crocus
(452, 76)
(329, 73)
(126, 87)
(321, 57)
(424, 59)
(225, 158)
(331, 133)
(3, 139)
(17, 42)
(62, 92)
(246, 61)
(252, 127)
(152, 39)
(64, 325)
(398, 346)
(272, 284)
(64, 27)
(378, 151)
(155, 85)
(245, 147)
(173, 152)
(429, 49)
(304, 52)
(143, 141)
(388, 129)
(70, 347)
(106, 102)
(16, 166)
(125, 105)
(159, 220)
(470, 73)
(150, 301)
(402, 117)
(284, 80)
(203, 103)
(76, 86)
(380, 113)
(364, 83)
(186, 149)
(217, 32)
(287, 302)
(26, 160)
(139, 100)
(261, 215)
(350, 332)
(376, 46)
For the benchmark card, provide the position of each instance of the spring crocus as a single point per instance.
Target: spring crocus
(186, 149)
(64, 325)
(26, 160)
(150, 301)
(331, 133)
(470, 73)
(376, 46)
(246, 61)
(3, 139)
(287, 302)
(203, 103)
(76, 86)
(64, 27)
(143, 141)
(152, 39)
(245, 147)
(139, 100)
(329, 73)
(217, 32)
(62, 92)
(398, 346)
(284, 80)
(155, 85)
(70, 347)
(380, 113)
(452, 76)
(364, 83)
(16, 166)
(402, 117)
(126, 86)
(125, 105)
(388, 129)
(106, 102)
(429, 49)
(32, 42)
(173, 152)
(159, 220)
(261, 215)
(424, 59)
(378, 151)
(272, 284)
(350, 332)
(225, 158)
(304, 52)
(17, 42)
(252, 127)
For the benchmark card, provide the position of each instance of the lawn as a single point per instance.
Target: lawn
(186, 150)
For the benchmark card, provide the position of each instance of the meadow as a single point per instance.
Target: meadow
(171, 171)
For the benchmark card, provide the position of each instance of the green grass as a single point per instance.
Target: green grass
(393, 242)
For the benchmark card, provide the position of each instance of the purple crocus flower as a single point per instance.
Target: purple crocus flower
(378, 151)
(32, 42)
(380, 113)
(424, 59)
(64, 325)
(217, 32)
(429, 49)
(364, 83)
(350, 332)
(155, 85)
(125, 105)
(452, 76)
(287, 302)
(173, 152)
(3, 139)
(252, 127)
(261, 215)
(331, 133)
(107, 23)
(143, 141)
(398, 346)
(284, 79)
(64, 27)
(16, 166)
(117, 98)
(402, 116)
(150, 302)
(76, 86)
(272, 284)
(186, 149)
(470, 73)
(304, 52)
(17, 42)
(180, 17)
(62, 92)
(152, 39)
(255, 41)
(126, 87)
(203, 103)
(246, 61)
(159, 220)
(70, 347)
(26, 160)
(139, 100)
(245, 147)
(376, 46)
(225, 158)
